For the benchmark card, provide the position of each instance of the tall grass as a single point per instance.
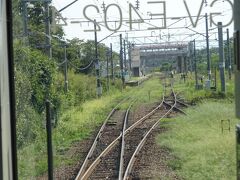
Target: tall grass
(189, 92)
(200, 148)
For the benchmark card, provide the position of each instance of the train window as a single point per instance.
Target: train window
(68, 108)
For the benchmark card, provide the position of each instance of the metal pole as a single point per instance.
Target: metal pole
(49, 140)
(108, 69)
(208, 51)
(191, 63)
(182, 65)
(121, 61)
(185, 65)
(229, 56)
(125, 57)
(47, 31)
(215, 78)
(25, 19)
(111, 59)
(238, 150)
(221, 57)
(190, 59)
(97, 65)
(65, 68)
(195, 63)
(130, 58)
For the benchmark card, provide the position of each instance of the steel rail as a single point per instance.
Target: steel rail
(179, 101)
(89, 171)
(175, 108)
(184, 104)
(93, 147)
(121, 162)
(140, 145)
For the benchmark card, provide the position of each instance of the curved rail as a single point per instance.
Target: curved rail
(140, 145)
(175, 108)
(89, 171)
(121, 163)
(88, 157)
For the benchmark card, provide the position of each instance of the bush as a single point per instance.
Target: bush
(34, 77)
(40, 72)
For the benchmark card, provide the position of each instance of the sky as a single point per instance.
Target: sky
(179, 28)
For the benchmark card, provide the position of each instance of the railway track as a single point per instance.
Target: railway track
(110, 130)
(171, 106)
(119, 152)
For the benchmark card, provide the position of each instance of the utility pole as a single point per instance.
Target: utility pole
(111, 59)
(195, 63)
(49, 140)
(191, 56)
(97, 65)
(125, 57)
(208, 52)
(221, 57)
(65, 69)
(25, 19)
(48, 51)
(215, 75)
(229, 56)
(47, 30)
(130, 58)
(108, 54)
(121, 61)
(185, 65)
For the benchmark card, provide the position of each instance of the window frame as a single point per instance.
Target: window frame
(8, 150)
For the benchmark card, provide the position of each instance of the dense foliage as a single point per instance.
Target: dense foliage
(39, 78)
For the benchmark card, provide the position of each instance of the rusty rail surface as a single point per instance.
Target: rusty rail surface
(90, 152)
(140, 145)
(84, 175)
(89, 171)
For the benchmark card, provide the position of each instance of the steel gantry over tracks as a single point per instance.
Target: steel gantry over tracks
(153, 55)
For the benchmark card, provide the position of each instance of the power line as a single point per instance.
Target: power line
(84, 68)
(67, 6)
(60, 64)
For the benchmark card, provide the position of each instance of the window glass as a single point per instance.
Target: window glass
(76, 60)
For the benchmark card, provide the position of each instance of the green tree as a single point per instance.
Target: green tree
(41, 72)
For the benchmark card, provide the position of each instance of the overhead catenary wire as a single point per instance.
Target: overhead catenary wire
(62, 63)
(97, 2)
(84, 68)
(67, 6)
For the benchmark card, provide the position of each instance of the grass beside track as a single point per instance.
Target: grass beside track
(196, 141)
(188, 91)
